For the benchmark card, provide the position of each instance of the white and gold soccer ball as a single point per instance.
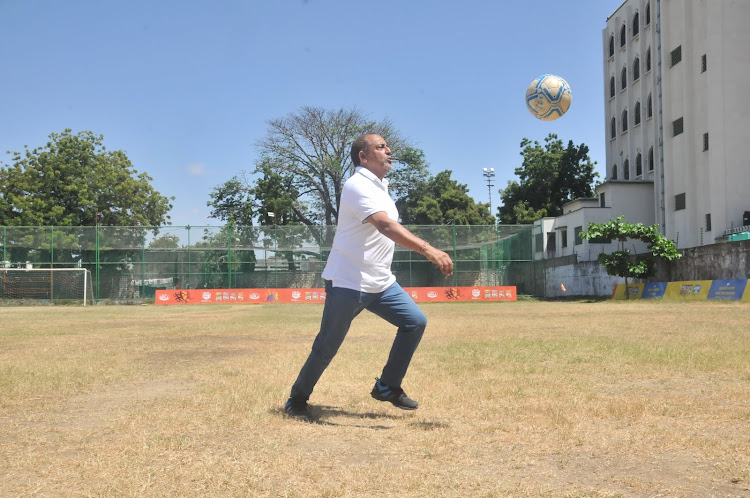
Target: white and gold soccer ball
(548, 97)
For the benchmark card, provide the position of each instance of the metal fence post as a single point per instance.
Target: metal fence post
(143, 261)
(96, 259)
(455, 257)
(229, 255)
(411, 280)
(188, 251)
(275, 255)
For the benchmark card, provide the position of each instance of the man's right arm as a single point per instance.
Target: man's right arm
(401, 236)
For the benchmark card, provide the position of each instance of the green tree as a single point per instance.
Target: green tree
(167, 241)
(550, 176)
(72, 178)
(621, 263)
(303, 164)
(441, 200)
(271, 198)
(232, 201)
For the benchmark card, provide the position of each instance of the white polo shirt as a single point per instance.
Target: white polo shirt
(361, 256)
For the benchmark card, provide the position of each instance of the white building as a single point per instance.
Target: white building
(676, 77)
(557, 237)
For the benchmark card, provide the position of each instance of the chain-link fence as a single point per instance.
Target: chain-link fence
(130, 263)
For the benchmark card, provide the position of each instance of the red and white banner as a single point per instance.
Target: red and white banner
(249, 296)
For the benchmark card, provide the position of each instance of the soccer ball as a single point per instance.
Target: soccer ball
(548, 97)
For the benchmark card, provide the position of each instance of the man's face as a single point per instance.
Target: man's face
(377, 158)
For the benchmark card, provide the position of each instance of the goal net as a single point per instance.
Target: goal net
(57, 285)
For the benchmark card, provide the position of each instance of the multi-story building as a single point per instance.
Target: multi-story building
(677, 109)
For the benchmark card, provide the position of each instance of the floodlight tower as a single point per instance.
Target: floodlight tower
(489, 174)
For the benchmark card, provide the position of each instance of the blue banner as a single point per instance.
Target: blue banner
(654, 290)
(728, 290)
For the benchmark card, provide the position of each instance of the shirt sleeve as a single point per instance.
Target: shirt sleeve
(361, 202)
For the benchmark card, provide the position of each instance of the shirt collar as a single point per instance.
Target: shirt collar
(371, 176)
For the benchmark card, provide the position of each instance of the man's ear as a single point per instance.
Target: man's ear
(362, 157)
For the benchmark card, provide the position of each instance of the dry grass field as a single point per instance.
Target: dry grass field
(529, 398)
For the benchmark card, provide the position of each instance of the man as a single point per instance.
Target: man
(358, 276)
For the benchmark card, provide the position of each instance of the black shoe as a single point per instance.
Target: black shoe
(298, 408)
(395, 395)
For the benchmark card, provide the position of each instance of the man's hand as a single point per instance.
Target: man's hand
(440, 258)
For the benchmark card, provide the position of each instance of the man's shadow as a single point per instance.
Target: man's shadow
(321, 415)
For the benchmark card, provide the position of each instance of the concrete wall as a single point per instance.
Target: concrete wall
(588, 278)
(712, 262)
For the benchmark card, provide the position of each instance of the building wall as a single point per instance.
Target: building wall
(632, 200)
(588, 278)
(728, 110)
(710, 102)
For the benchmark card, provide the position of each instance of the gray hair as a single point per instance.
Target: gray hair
(360, 144)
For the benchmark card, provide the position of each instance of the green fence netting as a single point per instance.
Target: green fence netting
(129, 263)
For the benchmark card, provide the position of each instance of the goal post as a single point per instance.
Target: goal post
(56, 285)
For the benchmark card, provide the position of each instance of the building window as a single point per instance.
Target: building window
(677, 127)
(613, 128)
(623, 35)
(704, 63)
(564, 238)
(624, 78)
(538, 242)
(624, 120)
(626, 170)
(648, 59)
(636, 24)
(676, 55)
(613, 177)
(601, 197)
(705, 141)
(612, 87)
(638, 165)
(651, 159)
(637, 114)
(708, 222)
(636, 69)
(648, 13)
(600, 240)
(611, 45)
(679, 202)
(551, 242)
(649, 107)
(577, 236)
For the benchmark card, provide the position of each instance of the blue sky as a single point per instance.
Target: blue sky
(186, 87)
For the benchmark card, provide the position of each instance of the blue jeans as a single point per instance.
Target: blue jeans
(341, 307)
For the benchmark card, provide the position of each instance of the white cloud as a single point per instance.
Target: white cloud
(196, 169)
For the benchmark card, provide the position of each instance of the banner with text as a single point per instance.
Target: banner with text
(692, 290)
(318, 295)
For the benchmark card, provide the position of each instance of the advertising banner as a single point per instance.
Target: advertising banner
(635, 291)
(654, 290)
(689, 290)
(727, 289)
(317, 295)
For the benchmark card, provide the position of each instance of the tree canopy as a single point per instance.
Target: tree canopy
(440, 200)
(550, 176)
(73, 177)
(621, 263)
(302, 166)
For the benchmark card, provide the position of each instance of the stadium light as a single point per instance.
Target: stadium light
(489, 174)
